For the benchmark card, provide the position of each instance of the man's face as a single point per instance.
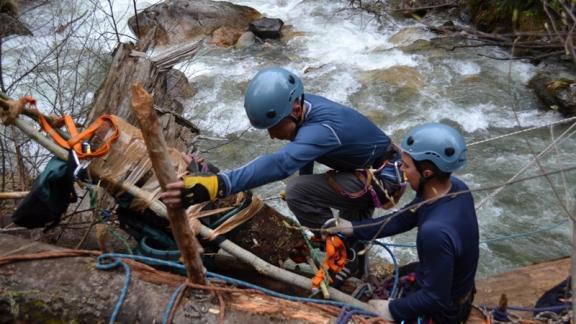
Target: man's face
(410, 171)
(287, 128)
(284, 130)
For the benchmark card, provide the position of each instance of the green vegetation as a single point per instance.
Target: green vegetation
(505, 16)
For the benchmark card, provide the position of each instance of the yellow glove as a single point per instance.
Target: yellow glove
(201, 187)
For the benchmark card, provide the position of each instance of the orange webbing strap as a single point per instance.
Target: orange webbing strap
(75, 141)
(336, 257)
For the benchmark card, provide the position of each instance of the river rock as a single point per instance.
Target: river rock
(177, 21)
(267, 27)
(408, 36)
(398, 76)
(226, 36)
(556, 93)
(246, 40)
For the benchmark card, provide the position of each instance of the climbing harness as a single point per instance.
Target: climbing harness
(370, 178)
(334, 262)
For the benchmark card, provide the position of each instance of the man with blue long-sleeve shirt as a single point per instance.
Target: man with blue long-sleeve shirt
(318, 130)
(447, 238)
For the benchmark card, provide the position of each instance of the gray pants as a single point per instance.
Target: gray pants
(310, 198)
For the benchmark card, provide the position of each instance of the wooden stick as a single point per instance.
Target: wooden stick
(323, 286)
(13, 195)
(143, 108)
(157, 207)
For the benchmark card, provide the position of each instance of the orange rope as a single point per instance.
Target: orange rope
(47, 255)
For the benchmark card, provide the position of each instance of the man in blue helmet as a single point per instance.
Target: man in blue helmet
(318, 130)
(447, 239)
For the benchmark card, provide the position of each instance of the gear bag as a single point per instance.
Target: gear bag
(51, 193)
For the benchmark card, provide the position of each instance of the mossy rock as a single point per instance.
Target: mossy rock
(558, 94)
(506, 16)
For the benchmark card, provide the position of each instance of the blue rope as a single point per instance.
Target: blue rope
(500, 315)
(347, 313)
(171, 303)
(233, 281)
(101, 264)
(396, 269)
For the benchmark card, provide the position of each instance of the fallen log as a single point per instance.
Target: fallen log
(70, 289)
(159, 209)
(13, 195)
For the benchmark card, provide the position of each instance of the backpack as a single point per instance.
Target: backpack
(49, 197)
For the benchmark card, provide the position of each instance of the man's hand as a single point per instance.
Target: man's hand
(382, 308)
(331, 228)
(192, 189)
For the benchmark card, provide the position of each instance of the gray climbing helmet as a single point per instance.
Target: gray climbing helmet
(270, 96)
(439, 143)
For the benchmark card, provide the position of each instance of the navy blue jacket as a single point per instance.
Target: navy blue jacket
(332, 134)
(447, 243)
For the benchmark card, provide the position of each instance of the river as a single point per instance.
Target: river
(352, 57)
(347, 55)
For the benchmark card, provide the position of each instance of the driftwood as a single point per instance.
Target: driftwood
(13, 195)
(189, 247)
(259, 265)
(129, 66)
(71, 289)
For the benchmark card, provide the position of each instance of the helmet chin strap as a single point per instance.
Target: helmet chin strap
(422, 181)
(294, 119)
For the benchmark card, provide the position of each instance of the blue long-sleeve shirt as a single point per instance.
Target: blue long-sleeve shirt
(332, 134)
(447, 244)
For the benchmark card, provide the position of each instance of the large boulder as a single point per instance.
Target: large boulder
(555, 92)
(177, 21)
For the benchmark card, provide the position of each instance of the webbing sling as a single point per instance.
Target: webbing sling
(335, 261)
(75, 141)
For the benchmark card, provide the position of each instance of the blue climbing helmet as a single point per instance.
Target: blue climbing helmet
(270, 96)
(439, 143)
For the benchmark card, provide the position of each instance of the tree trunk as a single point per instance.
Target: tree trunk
(70, 289)
(169, 86)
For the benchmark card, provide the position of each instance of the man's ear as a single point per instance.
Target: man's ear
(297, 109)
(427, 173)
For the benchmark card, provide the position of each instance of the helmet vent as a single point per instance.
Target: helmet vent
(271, 113)
(291, 79)
(449, 151)
(410, 141)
